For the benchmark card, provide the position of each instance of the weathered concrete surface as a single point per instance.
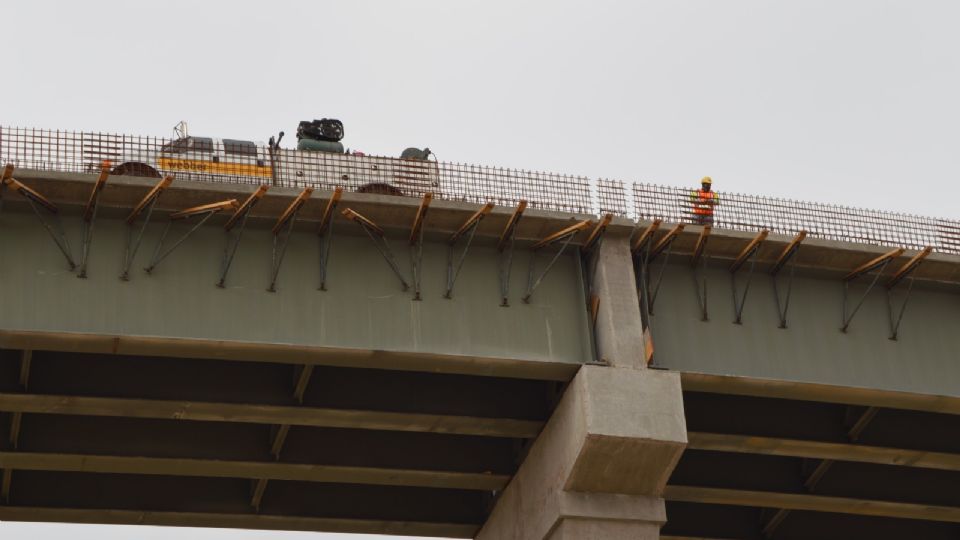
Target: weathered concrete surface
(601, 462)
(364, 308)
(829, 258)
(619, 343)
(443, 218)
(812, 348)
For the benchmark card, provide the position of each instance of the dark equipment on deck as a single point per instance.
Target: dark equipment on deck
(320, 135)
(326, 129)
(416, 153)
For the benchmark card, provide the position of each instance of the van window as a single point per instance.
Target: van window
(243, 148)
(195, 144)
(202, 144)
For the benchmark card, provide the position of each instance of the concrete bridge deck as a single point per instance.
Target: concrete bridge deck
(166, 400)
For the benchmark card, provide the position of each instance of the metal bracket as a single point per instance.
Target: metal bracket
(37, 201)
(282, 231)
(665, 244)
(565, 236)
(699, 280)
(878, 264)
(378, 237)
(505, 248)
(905, 271)
(240, 215)
(468, 228)
(325, 234)
(748, 253)
(416, 243)
(90, 216)
(786, 257)
(206, 211)
(146, 204)
(589, 258)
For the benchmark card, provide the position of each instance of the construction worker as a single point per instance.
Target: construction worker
(703, 202)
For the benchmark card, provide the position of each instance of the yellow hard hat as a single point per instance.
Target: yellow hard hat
(706, 180)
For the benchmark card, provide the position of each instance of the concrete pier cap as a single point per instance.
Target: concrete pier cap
(600, 465)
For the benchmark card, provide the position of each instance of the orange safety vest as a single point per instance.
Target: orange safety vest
(700, 202)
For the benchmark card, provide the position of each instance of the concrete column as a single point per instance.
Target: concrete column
(619, 332)
(599, 467)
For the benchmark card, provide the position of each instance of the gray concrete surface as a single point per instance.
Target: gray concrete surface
(600, 464)
(812, 349)
(364, 307)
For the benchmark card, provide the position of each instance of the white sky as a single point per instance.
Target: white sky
(854, 102)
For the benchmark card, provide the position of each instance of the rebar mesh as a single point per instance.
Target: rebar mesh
(210, 160)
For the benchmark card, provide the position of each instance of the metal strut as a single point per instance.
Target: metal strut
(566, 236)
(53, 226)
(878, 264)
(665, 244)
(239, 216)
(505, 248)
(468, 229)
(416, 243)
(378, 237)
(640, 249)
(90, 216)
(589, 258)
(206, 211)
(282, 231)
(786, 257)
(748, 254)
(325, 234)
(904, 272)
(145, 204)
(699, 281)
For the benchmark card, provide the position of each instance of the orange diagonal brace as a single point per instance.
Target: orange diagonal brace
(7, 172)
(328, 211)
(576, 227)
(245, 207)
(477, 216)
(788, 252)
(909, 267)
(152, 194)
(511, 225)
(421, 215)
(294, 206)
(353, 216)
(597, 231)
(753, 246)
(645, 236)
(667, 239)
(701, 245)
(97, 188)
(868, 266)
(29, 193)
(230, 204)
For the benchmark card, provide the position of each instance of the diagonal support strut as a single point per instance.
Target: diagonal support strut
(378, 237)
(90, 216)
(146, 204)
(505, 249)
(282, 231)
(233, 242)
(205, 212)
(41, 205)
(468, 229)
(564, 237)
(748, 254)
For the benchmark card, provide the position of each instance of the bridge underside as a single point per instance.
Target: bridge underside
(786, 462)
(185, 441)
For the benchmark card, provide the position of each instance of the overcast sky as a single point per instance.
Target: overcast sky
(854, 102)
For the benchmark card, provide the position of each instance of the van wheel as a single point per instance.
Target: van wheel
(383, 189)
(135, 169)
